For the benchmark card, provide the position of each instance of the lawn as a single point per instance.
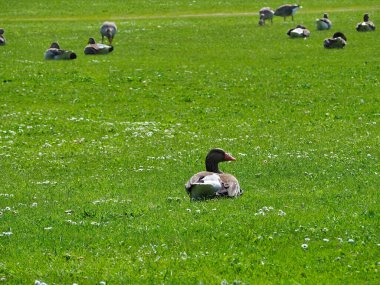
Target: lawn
(95, 152)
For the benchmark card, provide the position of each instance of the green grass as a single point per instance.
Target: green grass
(95, 152)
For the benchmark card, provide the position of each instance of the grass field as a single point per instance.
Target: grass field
(95, 152)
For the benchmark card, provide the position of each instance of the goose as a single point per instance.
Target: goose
(287, 10)
(94, 48)
(324, 23)
(2, 39)
(298, 32)
(56, 53)
(366, 25)
(213, 182)
(265, 13)
(338, 40)
(108, 30)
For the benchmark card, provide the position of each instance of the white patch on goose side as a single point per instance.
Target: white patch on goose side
(213, 180)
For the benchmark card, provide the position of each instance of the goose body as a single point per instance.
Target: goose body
(94, 48)
(265, 13)
(108, 30)
(298, 32)
(2, 39)
(338, 40)
(366, 25)
(56, 53)
(212, 182)
(323, 23)
(287, 10)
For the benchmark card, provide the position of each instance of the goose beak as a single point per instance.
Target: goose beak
(229, 157)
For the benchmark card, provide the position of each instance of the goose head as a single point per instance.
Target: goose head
(91, 41)
(55, 45)
(366, 17)
(325, 16)
(261, 21)
(109, 35)
(339, 35)
(1, 31)
(214, 157)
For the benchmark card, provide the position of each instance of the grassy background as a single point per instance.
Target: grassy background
(95, 152)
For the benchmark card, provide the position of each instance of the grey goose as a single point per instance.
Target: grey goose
(213, 183)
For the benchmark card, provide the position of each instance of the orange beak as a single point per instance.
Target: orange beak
(229, 157)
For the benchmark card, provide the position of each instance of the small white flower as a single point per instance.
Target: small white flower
(304, 246)
(189, 210)
(307, 239)
(340, 239)
(281, 213)
(326, 240)
(34, 204)
(48, 228)
(350, 240)
(198, 211)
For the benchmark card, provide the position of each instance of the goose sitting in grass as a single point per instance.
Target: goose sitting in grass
(298, 32)
(56, 53)
(212, 182)
(366, 25)
(94, 48)
(324, 23)
(338, 40)
(2, 39)
(108, 30)
(265, 13)
(287, 10)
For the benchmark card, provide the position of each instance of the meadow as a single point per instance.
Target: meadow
(95, 152)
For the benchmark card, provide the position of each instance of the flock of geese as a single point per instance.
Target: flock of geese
(338, 40)
(107, 30)
(212, 182)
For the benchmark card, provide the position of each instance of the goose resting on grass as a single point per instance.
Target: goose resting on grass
(265, 13)
(108, 30)
(2, 39)
(287, 10)
(212, 182)
(366, 25)
(298, 32)
(56, 53)
(94, 48)
(338, 40)
(324, 23)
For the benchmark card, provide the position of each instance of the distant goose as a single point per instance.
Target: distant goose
(212, 182)
(366, 25)
(108, 30)
(2, 39)
(265, 13)
(287, 10)
(298, 32)
(338, 40)
(56, 53)
(324, 23)
(94, 48)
